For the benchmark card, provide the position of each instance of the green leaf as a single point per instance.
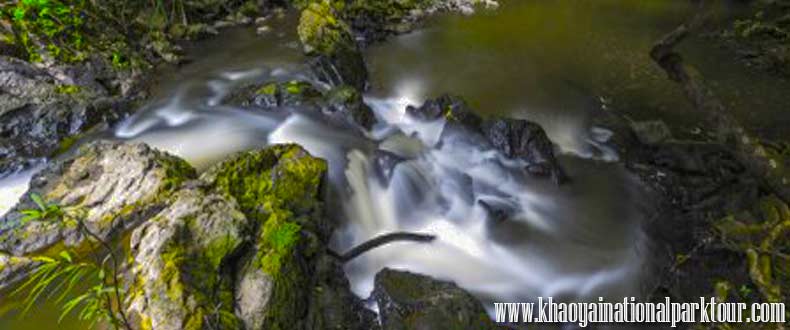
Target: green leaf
(39, 201)
(66, 256)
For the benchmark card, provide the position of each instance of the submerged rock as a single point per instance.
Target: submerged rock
(109, 186)
(336, 58)
(410, 301)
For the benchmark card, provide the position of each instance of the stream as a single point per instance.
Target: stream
(546, 61)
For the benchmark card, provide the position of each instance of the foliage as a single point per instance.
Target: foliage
(60, 25)
(765, 36)
(123, 33)
(63, 276)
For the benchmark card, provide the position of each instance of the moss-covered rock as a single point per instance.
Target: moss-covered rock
(108, 186)
(280, 190)
(344, 104)
(181, 261)
(325, 36)
(411, 301)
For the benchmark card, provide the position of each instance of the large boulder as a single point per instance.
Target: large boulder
(410, 301)
(336, 58)
(285, 279)
(108, 186)
(182, 261)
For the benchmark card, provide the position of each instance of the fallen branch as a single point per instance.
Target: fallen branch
(379, 241)
(727, 129)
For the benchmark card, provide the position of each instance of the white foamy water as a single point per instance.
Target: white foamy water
(574, 242)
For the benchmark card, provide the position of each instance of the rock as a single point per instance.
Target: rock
(285, 280)
(336, 58)
(14, 269)
(40, 108)
(263, 29)
(179, 258)
(515, 138)
(410, 301)
(384, 163)
(452, 108)
(274, 94)
(110, 186)
(522, 139)
(373, 21)
(344, 104)
(651, 132)
(341, 105)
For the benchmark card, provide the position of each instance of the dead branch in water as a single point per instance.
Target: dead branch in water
(379, 241)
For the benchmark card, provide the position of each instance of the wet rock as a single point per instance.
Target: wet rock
(411, 301)
(452, 108)
(522, 139)
(373, 21)
(284, 279)
(336, 58)
(515, 138)
(109, 186)
(344, 104)
(179, 257)
(13, 269)
(341, 105)
(384, 163)
(274, 94)
(39, 108)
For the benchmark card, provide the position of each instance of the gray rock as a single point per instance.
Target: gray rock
(37, 113)
(13, 269)
(109, 186)
(410, 301)
(178, 260)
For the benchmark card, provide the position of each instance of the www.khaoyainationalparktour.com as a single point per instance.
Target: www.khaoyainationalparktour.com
(629, 310)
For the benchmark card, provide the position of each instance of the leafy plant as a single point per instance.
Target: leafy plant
(62, 276)
(44, 211)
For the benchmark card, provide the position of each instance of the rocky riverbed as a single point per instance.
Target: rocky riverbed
(246, 243)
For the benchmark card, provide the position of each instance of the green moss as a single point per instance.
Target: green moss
(321, 31)
(277, 241)
(763, 239)
(279, 189)
(268, 89)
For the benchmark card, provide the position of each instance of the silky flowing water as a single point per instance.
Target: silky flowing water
(547, 61)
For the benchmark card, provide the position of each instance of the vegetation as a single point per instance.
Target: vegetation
(122, 33)
(764, 38)
(62, 277)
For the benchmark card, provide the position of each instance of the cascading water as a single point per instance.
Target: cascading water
(577, 241)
